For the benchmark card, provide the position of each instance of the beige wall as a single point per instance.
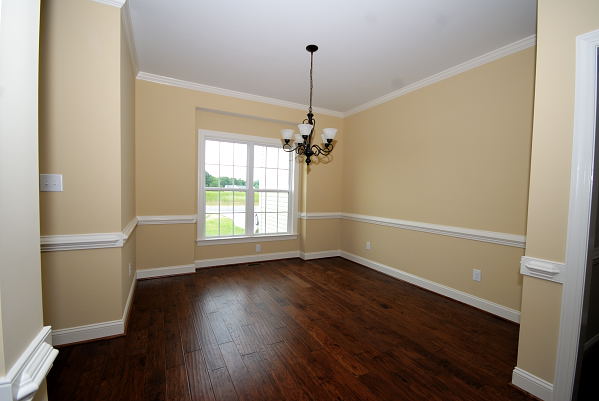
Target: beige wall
(80, 113)
(87, 133)
(20, 282)
(559, 22)
(453, 153)
(167, 120)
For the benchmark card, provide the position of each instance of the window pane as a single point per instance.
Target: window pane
(211, 175)
(283, 160)
(271, 223)
(240, 176)
(239, 202)
(211, 152)
(283, 205)
(211, 225)
(259, 156)
(282, 222)
(271, 178)
(259, 223)
(272, 157)
(259, 202)
(259, 176)
(226, 176)
(283, 179)
(271, 201)
(239, 223)
(226, 202)
(226, 153)
(212, 201)
(226, 224)
(240, 154)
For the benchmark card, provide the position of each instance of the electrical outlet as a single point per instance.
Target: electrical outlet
(258, 248)
(476, 274)
(129, 269)
(368, 245)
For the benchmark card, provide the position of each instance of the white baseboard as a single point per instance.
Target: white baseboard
(532, 384)
(24, 378)
(165, 271)
(480, 303)
(320, 254)
(95, 331)
(260, 257)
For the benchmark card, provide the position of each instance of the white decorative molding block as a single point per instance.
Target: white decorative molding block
(165, 271)
(541, 268)
(24, 378)
(480, 303)
(175, 219)
(532, 384)
(159, 79)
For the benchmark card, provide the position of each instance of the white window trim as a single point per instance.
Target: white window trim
(203, 135)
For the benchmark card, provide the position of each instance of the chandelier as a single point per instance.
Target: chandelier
(302, 143)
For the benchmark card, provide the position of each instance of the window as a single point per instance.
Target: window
(247, 188)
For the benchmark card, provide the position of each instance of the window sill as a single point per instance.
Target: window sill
(240, 239)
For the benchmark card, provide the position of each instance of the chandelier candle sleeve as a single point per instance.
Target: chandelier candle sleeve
(303, 141)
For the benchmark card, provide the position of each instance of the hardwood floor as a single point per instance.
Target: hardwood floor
(327, 329)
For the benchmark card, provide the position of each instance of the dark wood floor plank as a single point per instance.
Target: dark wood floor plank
(326, 329)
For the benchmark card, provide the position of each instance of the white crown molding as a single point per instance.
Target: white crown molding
(532, 384)
(165, 271)
(541, 268)
(261, 257)
(96, 331)
(24, 378)
(70, 242)
(493, 237)
(128, 30)
(173, 219)
(450, 72)
(480, 303)
(159, 79)
(114, 3)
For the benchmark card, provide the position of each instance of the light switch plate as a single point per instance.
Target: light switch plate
(51, 182)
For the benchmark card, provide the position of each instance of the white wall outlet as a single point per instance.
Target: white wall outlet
(368, 245)
(258, 248)
(476, 274)
(129, 269)
(51, 182)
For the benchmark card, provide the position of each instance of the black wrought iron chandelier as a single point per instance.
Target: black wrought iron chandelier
(302, 143)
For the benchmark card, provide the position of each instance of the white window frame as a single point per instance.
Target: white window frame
(250, 140)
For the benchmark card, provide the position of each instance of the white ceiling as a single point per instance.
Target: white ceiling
(367, 48)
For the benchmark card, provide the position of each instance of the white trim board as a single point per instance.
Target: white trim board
(24, 378)
(259, 257)
(479, 303)
(515, 240)
(96, 331)
(172, 219)
(165, 271)
(69, 242)
(448, 73)
(113, 3)
(532, 384)
(164, 80)
(579, 212)
(319, 254)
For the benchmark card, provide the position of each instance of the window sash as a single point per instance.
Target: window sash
(251, 142)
